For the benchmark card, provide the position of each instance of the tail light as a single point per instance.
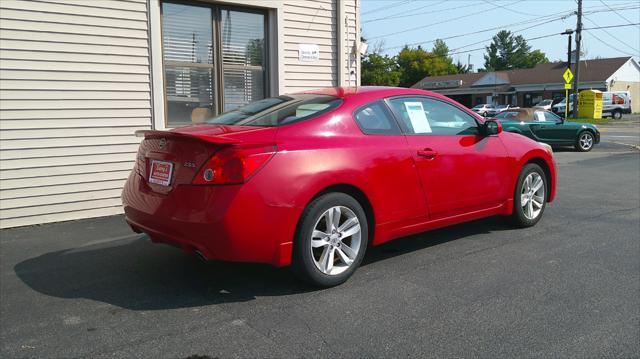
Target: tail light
(234, 164)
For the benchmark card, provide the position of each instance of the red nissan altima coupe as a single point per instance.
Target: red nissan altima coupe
(311, 179)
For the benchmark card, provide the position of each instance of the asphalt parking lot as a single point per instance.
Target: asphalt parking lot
(568, 287)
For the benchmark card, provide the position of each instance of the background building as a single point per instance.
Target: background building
(78, 77)
(527, 87)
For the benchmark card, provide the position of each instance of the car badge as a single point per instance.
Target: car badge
(163, 143)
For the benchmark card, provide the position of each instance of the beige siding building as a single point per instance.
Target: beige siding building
(78, 77)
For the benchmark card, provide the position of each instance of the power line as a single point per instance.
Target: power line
(489, 29)
(609, 45)
(385, 7)
(610, 26)
(399, 15)
(455, 52)
(514, 32)
(508, 9)
(550, 17)
(611, 35)
(438, 23)
(412, 13)
(619, 14)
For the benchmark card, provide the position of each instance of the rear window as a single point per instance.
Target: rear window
(508, 116)
(278, 111)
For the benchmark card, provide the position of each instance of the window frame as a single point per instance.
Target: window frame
(217, 70)
(405, 130)
(390, 112)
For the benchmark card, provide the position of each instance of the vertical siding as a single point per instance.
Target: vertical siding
(310, 22)
(316, 22)
(74, 86)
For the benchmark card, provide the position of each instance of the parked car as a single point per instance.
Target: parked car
(498, 109)
(544, 105)
(560, 107)
(482, 109)
(312, 179)
(545, 126)
(614, 104)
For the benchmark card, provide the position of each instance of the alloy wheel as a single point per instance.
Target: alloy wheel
(335, 241)
(586, 141)
(532, 196)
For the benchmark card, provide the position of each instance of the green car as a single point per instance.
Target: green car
(545, 126)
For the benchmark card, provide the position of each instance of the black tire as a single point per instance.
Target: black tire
(518, 217)
(303, 261)
(585, 141)
(616, 114)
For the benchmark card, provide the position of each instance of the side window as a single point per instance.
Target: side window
(426, 116)
(550, 117)
(538, 116)
(375, 119)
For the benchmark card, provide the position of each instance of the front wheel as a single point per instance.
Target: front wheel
(616, 115)
(331, 240)
(530, 197)
(584, 143)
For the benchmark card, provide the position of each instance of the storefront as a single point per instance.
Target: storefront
(78, 78)
(527, 87)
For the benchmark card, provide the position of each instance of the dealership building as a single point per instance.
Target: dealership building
(78, 78)
(527, 87)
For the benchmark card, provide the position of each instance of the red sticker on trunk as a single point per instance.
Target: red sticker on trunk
(161, 172)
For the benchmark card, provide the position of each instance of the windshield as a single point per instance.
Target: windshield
(277, 111)
(477, 107)
(507, 116)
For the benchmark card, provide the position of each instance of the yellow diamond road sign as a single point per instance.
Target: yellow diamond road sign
(568, 75)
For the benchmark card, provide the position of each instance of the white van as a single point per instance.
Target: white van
(614, 104)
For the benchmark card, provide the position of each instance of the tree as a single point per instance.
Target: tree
(462, 68)
(380, 70)
(441, 49)
(417, 63)
(507, 52)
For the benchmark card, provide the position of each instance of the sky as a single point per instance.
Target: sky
(394, 23)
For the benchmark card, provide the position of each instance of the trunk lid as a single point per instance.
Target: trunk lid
(178, 154)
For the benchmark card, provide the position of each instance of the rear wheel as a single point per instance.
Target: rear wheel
(585, 141)
(331, 240)
(530, 197)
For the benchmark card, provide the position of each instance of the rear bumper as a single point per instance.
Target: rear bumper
(229, 223)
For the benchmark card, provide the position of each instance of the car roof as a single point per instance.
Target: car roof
(525, 112)
(374, 91)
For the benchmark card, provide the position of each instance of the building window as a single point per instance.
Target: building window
(214, 60)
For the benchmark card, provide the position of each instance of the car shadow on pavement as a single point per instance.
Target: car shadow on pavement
(137, 275)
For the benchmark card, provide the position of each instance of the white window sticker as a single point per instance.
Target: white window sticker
(418, 117)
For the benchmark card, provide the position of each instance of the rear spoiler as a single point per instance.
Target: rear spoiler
(194, 136)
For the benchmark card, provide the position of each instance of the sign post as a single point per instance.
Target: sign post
(567, 76)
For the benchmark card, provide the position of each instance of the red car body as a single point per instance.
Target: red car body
(402, 190)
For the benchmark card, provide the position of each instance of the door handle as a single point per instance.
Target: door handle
(427, 153)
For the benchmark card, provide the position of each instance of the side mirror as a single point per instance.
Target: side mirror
(492, 127)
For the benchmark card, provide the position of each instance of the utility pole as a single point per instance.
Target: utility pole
(566, 96)
(576, 79)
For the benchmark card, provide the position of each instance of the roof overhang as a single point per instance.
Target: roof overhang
(557, 86)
